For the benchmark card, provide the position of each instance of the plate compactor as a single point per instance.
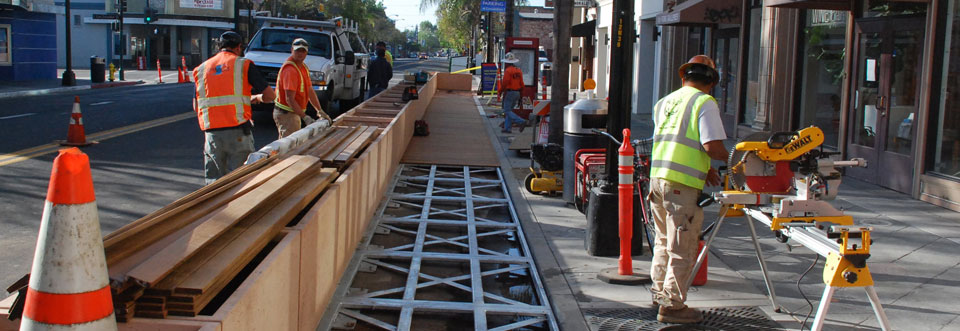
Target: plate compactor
(548, 177)
(785, 180)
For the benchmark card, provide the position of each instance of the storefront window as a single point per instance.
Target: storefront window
(823, 40)
(5, 50)
(947, 155)
(753, 67)
(880, 8)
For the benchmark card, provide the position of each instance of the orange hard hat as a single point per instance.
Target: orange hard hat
(699, 59)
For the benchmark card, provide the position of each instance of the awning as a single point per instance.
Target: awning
(585, 29)
(702, 12)
(810, 4)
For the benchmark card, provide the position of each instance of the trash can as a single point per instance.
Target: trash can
(98, 69)
(579, 119)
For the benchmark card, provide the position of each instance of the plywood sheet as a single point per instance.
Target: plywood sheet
(457, 135)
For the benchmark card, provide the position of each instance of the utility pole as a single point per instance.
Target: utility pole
(508, 19)
(236, 16)
(122, 7)
(69, 78)
(490, 45)
(560, 87)
(602, 234)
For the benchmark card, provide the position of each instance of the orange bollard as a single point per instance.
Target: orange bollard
(75, 133)
(69, 288)
(625, 187)
(159, 73)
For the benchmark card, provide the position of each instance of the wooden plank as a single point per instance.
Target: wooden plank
(318, 276)
(190, 199)
(158, 266)
(353, 149)
(211, 278)
(165, 224)
(324, 150)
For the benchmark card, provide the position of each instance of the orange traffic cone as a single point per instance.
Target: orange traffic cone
(179, 75)
(69, 287)
(75, 133)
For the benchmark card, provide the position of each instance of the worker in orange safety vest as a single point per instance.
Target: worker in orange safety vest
(294, 91)
(226, 85)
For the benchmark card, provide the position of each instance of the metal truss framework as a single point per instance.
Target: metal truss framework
(448, 213)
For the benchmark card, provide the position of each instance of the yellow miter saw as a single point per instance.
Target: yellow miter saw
(785, 180)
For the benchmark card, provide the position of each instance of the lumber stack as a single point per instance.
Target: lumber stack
(176, 260)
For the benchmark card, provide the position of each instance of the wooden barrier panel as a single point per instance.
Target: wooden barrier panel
(455, 82)
(134, 324)
(267, 299)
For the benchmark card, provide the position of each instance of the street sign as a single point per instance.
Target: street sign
(110, 16)
(493, 6)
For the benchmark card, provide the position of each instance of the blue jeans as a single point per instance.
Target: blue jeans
(510, 100)
(373, 92)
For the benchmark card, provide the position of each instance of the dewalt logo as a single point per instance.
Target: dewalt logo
(803, 141)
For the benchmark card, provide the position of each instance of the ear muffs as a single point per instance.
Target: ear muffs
(702, 70)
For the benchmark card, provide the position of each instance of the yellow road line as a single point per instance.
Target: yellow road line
(29, 153)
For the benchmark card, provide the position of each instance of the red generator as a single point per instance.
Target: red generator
(589, 167)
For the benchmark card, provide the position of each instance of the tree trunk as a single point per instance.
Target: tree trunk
(560, 86)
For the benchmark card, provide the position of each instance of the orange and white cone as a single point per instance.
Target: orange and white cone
(69, 287)
(75, 133)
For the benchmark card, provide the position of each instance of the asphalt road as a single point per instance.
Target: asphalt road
(149, 155)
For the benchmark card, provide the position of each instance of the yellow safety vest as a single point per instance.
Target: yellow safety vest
(678, 155)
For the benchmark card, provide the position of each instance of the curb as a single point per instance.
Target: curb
(27, 93)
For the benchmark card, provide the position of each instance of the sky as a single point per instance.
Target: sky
(407, 13)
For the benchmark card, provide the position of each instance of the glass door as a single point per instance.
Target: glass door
(886, 98)
(726, 48)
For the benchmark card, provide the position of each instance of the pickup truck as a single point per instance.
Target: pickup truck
(337, 58)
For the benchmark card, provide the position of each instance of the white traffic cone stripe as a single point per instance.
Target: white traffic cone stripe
(108, 323)
(73, 121)
(70, 259)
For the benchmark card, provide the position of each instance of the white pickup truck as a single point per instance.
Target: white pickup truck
(337, 58)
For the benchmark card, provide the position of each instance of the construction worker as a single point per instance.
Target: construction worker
(688, 134)
(295, 89)
(379, 74)
(387, 55)
(510, 86)
(226, 85)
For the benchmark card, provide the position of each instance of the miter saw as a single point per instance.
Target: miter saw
(785, 180)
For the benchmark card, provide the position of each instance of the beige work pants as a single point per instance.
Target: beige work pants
(287, 122)
(678, 222)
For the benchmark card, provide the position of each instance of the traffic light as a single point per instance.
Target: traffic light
(483, 22)
(121, 6)
(115, 26)
(149, 15)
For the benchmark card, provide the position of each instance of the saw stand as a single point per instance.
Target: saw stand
(845, 264)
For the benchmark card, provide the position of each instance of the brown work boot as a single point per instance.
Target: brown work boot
(685, 315)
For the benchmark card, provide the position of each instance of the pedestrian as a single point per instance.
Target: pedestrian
(388, 56)
(226, 85)
(379, 73)
(680, 168)
(295, 89)
(510, 86)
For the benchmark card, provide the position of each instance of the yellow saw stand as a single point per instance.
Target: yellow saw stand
(800, 214)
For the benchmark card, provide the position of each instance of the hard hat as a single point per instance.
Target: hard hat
(510, 58)
(700, 64)
(301, 43)
(230, 39)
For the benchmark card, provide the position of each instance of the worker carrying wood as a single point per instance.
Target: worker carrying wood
(226, 85)
(296, 88)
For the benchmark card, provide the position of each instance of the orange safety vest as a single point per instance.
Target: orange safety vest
(300, 97)
(222, 91)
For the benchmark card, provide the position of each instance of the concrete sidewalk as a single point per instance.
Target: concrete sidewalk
(16, 89)
(915, 263)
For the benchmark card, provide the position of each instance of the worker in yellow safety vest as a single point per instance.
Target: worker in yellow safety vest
(226, 85)
(688, 134)
(388, 56)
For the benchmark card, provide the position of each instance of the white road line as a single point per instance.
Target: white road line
(15, 116)
(101, 103)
